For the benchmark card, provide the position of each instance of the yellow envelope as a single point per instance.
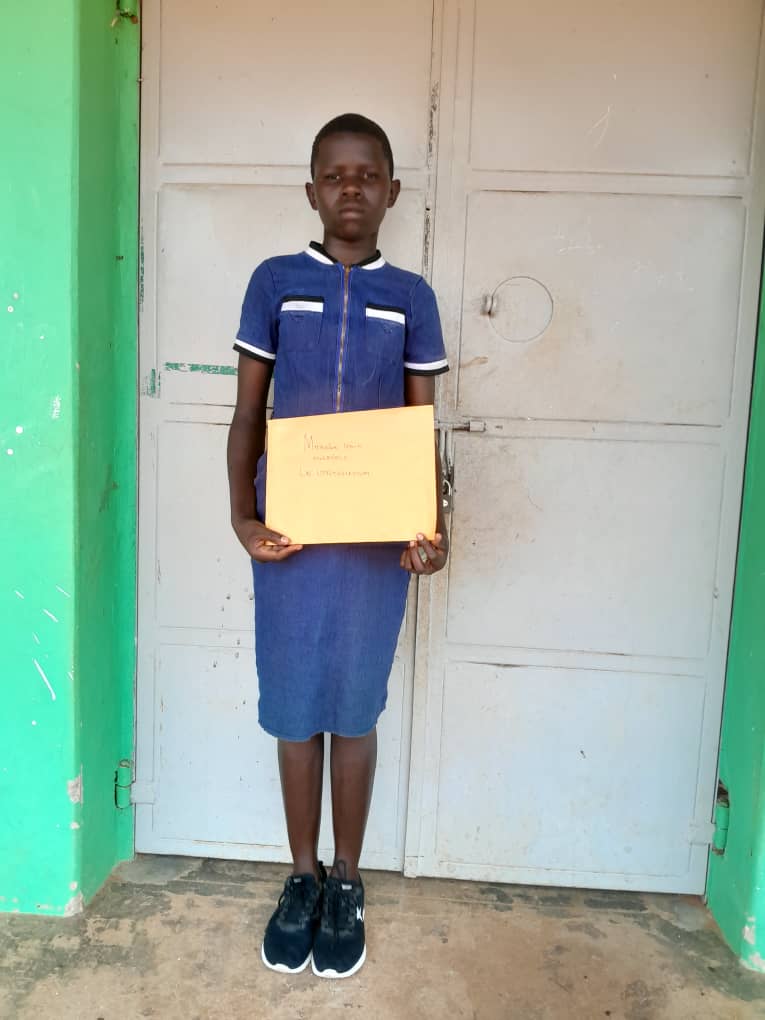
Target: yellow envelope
(358, 476)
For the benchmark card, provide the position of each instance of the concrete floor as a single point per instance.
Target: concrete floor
(179, 939)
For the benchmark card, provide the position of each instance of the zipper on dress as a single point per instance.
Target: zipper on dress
(343, 330)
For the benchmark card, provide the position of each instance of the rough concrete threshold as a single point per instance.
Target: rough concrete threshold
(179, 939)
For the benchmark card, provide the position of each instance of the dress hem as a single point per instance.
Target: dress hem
(301, 740)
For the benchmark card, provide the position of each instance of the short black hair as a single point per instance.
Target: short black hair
(356, 124)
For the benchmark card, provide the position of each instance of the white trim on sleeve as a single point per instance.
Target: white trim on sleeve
(255, 350)
(426, 366)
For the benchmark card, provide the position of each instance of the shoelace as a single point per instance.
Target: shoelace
(296, 902)
(339, 914)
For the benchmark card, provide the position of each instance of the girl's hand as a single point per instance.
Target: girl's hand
(424, 557)
(261, 543)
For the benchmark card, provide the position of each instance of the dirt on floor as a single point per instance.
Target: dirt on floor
(179, 939)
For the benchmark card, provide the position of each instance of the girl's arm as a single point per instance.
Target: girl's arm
(246, 443)
(422, 556)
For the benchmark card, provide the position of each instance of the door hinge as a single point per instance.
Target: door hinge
(700, 833)
(129, 791)
(722, 820)
(127, 13)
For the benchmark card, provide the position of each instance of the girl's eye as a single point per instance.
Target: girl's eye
(331, 177)
(370, 175)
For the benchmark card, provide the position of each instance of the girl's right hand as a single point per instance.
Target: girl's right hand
(261, 543)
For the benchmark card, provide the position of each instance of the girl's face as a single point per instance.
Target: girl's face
(352, 188)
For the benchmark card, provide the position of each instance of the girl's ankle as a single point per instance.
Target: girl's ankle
(345, 872)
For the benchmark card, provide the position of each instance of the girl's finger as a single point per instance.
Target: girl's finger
(268, 552)
(282, 552)
(419, 559)
(274, 538)
(431, 551)
(435, 555)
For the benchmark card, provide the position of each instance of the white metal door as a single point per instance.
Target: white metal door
(232, 97)
(595, 250)
(597, 259)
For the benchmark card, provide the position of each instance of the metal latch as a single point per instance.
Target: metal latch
(447, 470)
(472, 425)
(445, 449)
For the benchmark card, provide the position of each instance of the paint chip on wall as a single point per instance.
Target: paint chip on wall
(74, 906)
(74, 788)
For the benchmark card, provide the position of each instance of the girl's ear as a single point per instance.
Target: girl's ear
(395, 188)
(309, 190)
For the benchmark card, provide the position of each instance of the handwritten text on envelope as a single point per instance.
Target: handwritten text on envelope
(359, 476)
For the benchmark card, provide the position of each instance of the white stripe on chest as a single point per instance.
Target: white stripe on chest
(302, 306)
(384, 313)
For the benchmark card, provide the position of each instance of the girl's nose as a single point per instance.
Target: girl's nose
(351, 186)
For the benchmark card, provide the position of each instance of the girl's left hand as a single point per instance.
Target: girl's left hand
(424, 557)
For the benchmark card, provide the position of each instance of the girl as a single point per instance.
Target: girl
(341, 330)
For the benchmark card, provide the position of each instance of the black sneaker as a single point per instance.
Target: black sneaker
(290, 932)
(339, 949)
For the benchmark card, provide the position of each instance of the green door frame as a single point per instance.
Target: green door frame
(736, 887)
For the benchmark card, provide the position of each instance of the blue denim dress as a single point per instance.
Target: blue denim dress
(327, 619)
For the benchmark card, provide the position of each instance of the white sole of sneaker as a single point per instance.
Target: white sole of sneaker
(333, 974)
(282, 968)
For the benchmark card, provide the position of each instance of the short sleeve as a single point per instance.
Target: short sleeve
(257, 327)
(424, 351)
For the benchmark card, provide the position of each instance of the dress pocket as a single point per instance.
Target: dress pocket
(300, 321)
(385, 335)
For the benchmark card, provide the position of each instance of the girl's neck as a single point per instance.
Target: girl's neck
(349, 253)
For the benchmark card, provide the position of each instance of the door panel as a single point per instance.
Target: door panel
(226, 135)
(211, 753)
(630, 306)
(251, 84)
(599, 287)
(565, 775)
(591, 545)
(632, 87)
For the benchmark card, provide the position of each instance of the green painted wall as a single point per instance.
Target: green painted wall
(68, 208)
(736, 888)
(106, 465)
(38, 209)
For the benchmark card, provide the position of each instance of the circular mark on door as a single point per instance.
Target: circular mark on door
(520, 309)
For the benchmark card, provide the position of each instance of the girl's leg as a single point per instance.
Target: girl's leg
(352, 764)
(301, 767)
